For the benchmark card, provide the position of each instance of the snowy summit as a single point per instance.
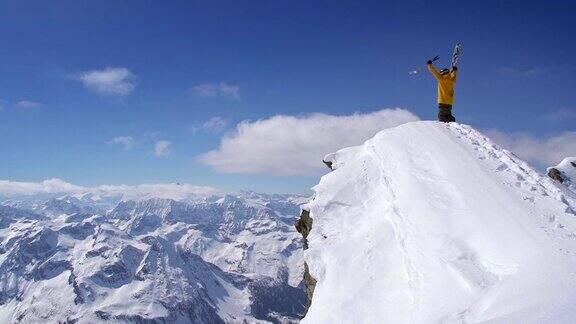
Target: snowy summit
(433, 223)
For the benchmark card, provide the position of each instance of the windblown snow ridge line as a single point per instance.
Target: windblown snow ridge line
(430, 222)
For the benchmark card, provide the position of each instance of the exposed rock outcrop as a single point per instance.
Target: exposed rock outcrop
(304, 226)
(565, 172)
(555, 174)
(310, 284)
(328, 164)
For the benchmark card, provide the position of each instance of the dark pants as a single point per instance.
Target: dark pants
(445, 113)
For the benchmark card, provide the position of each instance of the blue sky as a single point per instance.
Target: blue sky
(174, 66)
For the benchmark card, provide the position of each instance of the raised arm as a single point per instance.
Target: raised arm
(453, 73)
(433, 70)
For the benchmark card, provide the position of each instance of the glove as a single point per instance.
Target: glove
(429, 62)
(454, 67)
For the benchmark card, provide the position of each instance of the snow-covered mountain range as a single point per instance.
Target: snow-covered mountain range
(211, 259)
(433, 223)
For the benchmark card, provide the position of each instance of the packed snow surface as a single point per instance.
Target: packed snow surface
(433, 223)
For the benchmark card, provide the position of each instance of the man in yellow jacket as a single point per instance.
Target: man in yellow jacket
(446, 80)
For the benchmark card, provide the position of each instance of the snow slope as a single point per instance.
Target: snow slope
(433, 223)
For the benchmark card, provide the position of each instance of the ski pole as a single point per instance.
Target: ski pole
(436, 58)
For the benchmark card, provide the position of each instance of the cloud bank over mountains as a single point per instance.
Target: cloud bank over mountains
(57, 186)
(543, 152)
(295, 145)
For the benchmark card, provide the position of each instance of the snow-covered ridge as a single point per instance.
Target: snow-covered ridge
(214, 259)
(433, 223)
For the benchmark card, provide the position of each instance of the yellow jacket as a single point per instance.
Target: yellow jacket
(445, 85)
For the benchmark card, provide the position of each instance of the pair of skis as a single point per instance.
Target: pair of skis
(456, 54)
(455, 59)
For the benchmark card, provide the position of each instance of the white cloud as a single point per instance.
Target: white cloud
(221, 89)
(27, 104)
(543, 152)
(46, 186)
(162, 148)
(143, 191)
(289, 145)
(125, 141)
(109, 81)
(175, 191)
(214, 125)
